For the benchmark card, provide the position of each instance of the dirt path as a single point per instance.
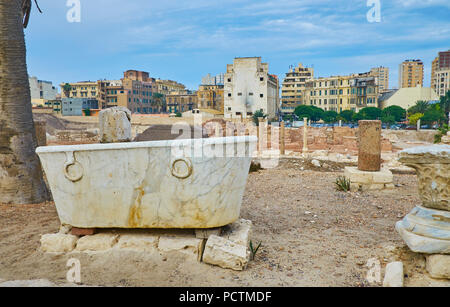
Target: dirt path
(311, 236)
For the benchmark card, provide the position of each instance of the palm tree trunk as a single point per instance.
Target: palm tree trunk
(21, 179)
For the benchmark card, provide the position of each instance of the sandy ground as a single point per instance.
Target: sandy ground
(311, 235)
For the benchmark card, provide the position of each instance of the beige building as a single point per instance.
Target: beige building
(407, 97)
(211, 97)
(440, 63)
(250, 88)
(167, 87)
(134, 91)
(293, 87)
(181, 102)
(410, 74)
(442, 81)
(340, 93)
(382, 75)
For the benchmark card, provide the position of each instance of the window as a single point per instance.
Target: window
(229, 94)
(261, 95)
(229, 79)
(261, 79)
(250, 94)
(239, 94)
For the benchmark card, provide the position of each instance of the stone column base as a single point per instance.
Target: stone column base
(365, 181)
(426, 230)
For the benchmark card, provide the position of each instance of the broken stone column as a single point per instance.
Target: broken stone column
(115, 125)
(41, 132)
(282, 139)
(369, 175)
(426, 229)
(305, 135)
(369, 156)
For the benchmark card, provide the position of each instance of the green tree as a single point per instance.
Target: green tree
(370, 113)
(329, 116)
(397, 112)
(413, 118)
(421, 106)
(311, 112)
(257, 115)
(388, 119)
(432, 116)
(347, 115)
(445, 104)
(21, 177)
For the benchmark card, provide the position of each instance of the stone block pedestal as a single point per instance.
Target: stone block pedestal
(227, 247)
(365, 180)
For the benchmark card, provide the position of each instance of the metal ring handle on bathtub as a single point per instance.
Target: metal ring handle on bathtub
(73, 170)
(182, 168)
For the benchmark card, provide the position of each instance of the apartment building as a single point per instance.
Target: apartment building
(75, 106)
(382, 75)
(179, 102)
(211, 97)
(411, 74)
(166, 87)
(339, 93)
(41, 91)
(249, 88)
(440, 64)
(293, 87)
(442, 85)
(134, 91)
(213, 80)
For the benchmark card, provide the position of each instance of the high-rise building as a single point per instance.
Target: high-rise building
(442, 81)
(293, 87)
(411, 74)
(250, 88)
(441, 62)
(382, 75)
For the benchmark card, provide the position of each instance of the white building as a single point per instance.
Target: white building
(248, 88)
(442, 81)
(42, 90)
(407, 97)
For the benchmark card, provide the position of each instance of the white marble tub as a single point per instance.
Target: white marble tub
(161, 184)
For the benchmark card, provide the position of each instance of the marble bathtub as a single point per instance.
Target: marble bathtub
(161, 184)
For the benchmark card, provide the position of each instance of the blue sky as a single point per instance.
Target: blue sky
(184, 40)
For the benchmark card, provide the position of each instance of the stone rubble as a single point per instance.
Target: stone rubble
(394, 276)
(439, 266)
(115, 125)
